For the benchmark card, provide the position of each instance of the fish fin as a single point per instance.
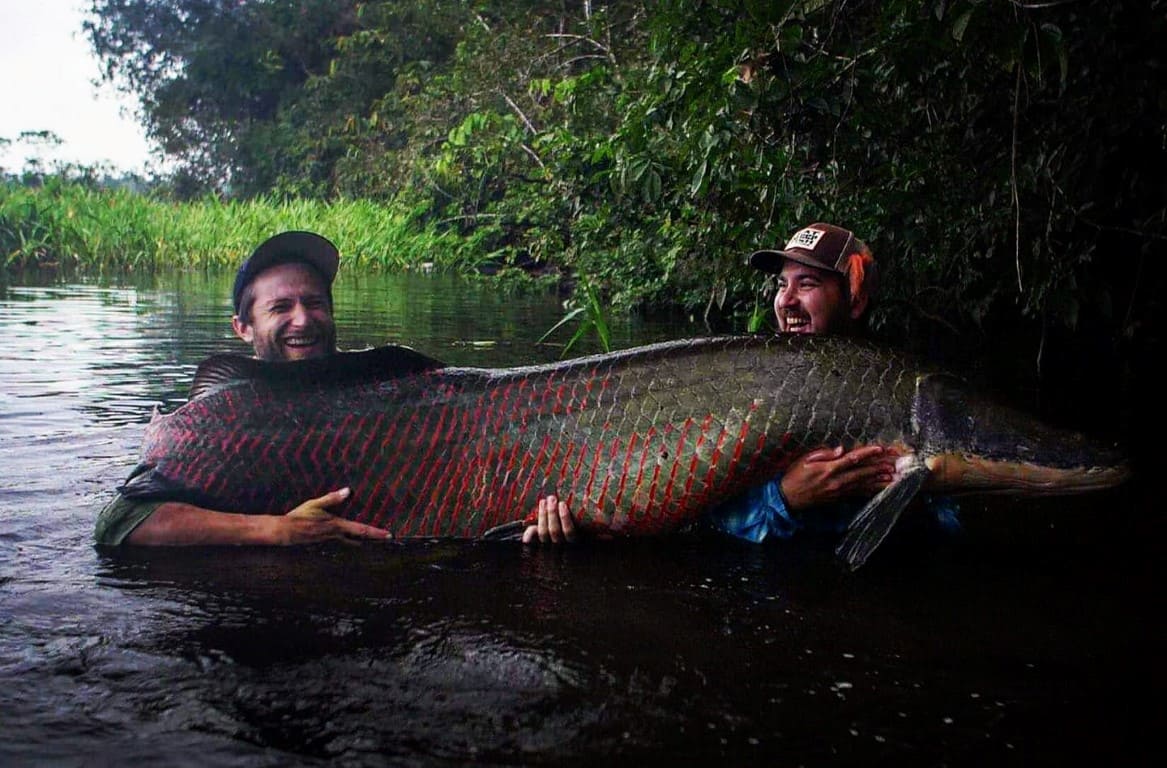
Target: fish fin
(506, 532)
(377, 363)
(146, 482)
(870, 526)
(218, 370)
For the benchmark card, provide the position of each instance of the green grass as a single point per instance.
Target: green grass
(71, 226)
(592, 319)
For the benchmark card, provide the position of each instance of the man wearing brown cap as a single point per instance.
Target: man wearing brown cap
(827, 279)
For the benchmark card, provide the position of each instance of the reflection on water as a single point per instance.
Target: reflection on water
(1020, 642)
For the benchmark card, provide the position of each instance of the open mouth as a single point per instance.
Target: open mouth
(796, 324)
(299, 342)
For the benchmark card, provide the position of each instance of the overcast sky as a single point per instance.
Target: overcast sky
(47, 84)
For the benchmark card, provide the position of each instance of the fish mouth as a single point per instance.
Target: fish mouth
(962, 473)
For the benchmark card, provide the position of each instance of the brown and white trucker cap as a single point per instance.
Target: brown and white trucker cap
(817, 245)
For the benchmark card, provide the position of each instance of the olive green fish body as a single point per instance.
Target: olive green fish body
(641, 441)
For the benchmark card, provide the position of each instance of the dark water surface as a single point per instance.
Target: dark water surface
(1035, 637)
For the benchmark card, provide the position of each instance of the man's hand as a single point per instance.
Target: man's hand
(554, 522)
(311, 522)
(179, 524)
(831, 474)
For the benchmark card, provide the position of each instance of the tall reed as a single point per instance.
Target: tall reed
(73, 226)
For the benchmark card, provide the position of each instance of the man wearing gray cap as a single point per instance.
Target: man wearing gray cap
(282, 299)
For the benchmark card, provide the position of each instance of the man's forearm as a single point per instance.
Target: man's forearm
(179, 524)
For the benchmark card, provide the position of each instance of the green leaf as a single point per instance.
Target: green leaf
(562, 322)
(960, 25)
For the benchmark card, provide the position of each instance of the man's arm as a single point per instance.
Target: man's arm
(173, 523)
(828, 475)
(821, 477)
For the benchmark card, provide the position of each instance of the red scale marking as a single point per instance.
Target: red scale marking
(503, 398)
(716, 457)
(624, 469)
(377, 507)
(339, 443)
(409, 521)
(743, 435)
(303, 455)
(565, 463)
(644, 451)
(468, 465)
(652, 508)
(373, 432)
(517, 461)
(597, 458)
(676, 465)
(553, 458)
(481, 496)
(509, 488)
(360, 448)
(538, 471)
(427, 462)
(615, 451)
(460, 484)
(445, 473)
(696, 460)
(490, 423)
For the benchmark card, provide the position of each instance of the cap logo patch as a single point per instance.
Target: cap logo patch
(807, 238)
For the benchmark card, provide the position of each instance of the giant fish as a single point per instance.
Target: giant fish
(641, 441)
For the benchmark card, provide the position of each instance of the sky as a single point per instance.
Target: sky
(48, 84)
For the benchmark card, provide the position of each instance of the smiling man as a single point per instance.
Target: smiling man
(826, 280)
(283, 309)
(283, 297)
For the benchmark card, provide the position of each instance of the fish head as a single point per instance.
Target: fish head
(973, 444)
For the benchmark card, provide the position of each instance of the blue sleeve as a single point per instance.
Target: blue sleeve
(756, 514)
(945, 511)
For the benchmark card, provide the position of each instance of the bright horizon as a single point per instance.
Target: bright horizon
(49, 85)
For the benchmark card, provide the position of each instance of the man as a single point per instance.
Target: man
(827, 280)
(283, 309)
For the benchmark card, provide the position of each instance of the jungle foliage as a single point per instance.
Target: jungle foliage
(1002, 157)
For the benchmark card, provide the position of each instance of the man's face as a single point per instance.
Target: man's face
(291, 317)
(810, 300)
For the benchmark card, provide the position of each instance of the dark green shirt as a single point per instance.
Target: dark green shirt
(120, 517)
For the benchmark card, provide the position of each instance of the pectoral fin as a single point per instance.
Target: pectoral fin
(145, 482)
(148, 483)
(870, 527)
(506, 532)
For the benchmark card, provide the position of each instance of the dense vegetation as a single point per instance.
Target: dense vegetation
(1001, 156)
(78, 225)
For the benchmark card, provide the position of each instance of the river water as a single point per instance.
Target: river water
(1035, 636)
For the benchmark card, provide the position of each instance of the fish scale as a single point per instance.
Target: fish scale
(640, 441)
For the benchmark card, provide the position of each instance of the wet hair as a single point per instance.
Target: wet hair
(247, 296)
